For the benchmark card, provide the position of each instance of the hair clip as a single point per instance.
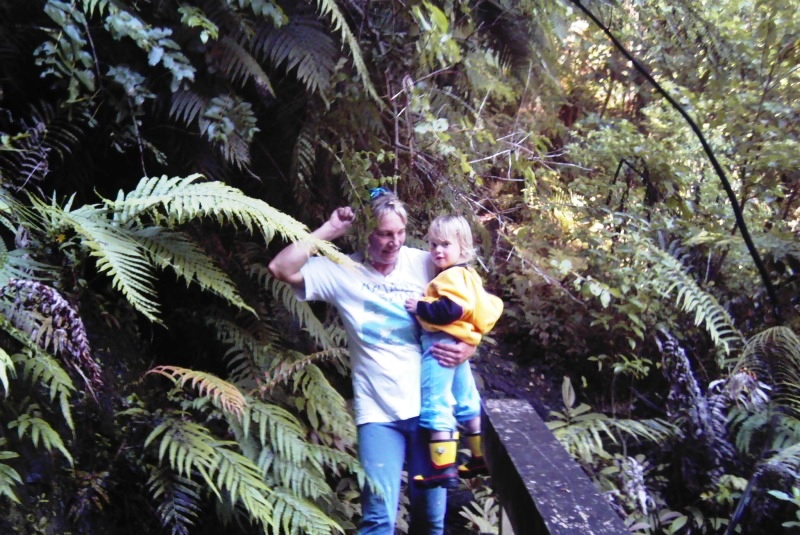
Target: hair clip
(374, 193)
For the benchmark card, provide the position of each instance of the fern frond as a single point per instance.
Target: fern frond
(92, 6)
(9, 477)
(223, 394)
(191, 448)
(327, 337)
(25, 161)
(187, 106)
(6, 367)
(183, 199)
(693, 299)
(299, 479)
(118, 254)
(773, 356)
(236, 62)
(18, 264)
(304, 154)
(248, 349)
(282, 438)
(187, 445)
(178, 500)
(277, 428)
(63, 127)
(176, 251)
(329, 8)
(39, 430)
(291, 369)
(50, 321)
(39, 367)
(324, 407)
(291, 514)
(229, 122)
(302, 44)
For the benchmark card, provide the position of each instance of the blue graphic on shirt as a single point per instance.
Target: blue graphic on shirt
(388, 323)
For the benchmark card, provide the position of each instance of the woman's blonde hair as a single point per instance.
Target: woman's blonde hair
(387, 202)
(454, 228)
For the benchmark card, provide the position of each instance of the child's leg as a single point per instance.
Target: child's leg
(468, 414)
(436, 412)
(436, 415)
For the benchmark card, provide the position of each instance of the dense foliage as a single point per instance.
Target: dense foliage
(631, 169)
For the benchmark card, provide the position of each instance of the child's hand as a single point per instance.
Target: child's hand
(411, 305)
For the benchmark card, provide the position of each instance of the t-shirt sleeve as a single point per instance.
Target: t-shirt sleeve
(318, 279)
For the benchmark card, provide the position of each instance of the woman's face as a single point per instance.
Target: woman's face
(387, 238)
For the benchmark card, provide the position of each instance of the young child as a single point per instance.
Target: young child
(455, 307)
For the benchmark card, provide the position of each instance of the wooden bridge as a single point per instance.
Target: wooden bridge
(540, 487)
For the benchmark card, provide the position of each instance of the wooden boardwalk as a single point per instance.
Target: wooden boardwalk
(541, 489)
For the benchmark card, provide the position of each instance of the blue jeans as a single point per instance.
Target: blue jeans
(382, 449)
(449, 395)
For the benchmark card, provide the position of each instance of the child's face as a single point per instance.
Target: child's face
(445, 253)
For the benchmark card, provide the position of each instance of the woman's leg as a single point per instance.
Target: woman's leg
(427, 506)
(382, 451)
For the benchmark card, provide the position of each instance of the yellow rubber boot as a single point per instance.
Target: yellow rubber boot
(476, 465)
(443, 472)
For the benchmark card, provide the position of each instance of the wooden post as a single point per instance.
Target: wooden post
(541, 488)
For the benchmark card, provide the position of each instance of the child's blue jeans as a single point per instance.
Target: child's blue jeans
(449, 395)
(382, 449)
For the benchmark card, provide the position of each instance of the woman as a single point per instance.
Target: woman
(385, 352)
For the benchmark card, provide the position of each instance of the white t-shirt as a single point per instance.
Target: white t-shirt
(383, 338)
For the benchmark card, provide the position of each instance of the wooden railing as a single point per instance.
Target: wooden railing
(540, 487)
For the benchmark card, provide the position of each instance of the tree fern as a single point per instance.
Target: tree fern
(6, 369)
(330, 9)
(24, 158)
(230, 124)
(178, 500)
(191, 449)
(126, 248)
(324, 407)
(773, 356)
(51, 322)
(223, 394)
(586, 434)
(40, 431)
(668, 275)
(175, 250)
(187, 106)
(301, 46)
(40, 368)
(298, 516)
(9, 477)
(279, 431)
(184, 199)
(239, 66)
(18, 264)
(118, 254)
(327, 337)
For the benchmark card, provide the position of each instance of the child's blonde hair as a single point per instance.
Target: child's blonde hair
(454, 228)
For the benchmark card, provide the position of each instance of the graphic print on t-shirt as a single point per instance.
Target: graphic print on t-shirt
(387, 322)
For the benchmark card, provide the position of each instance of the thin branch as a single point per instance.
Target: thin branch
(737, 212)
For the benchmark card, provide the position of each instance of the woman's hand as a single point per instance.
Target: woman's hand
(450, 355)
(340, 221)
(411, 305)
